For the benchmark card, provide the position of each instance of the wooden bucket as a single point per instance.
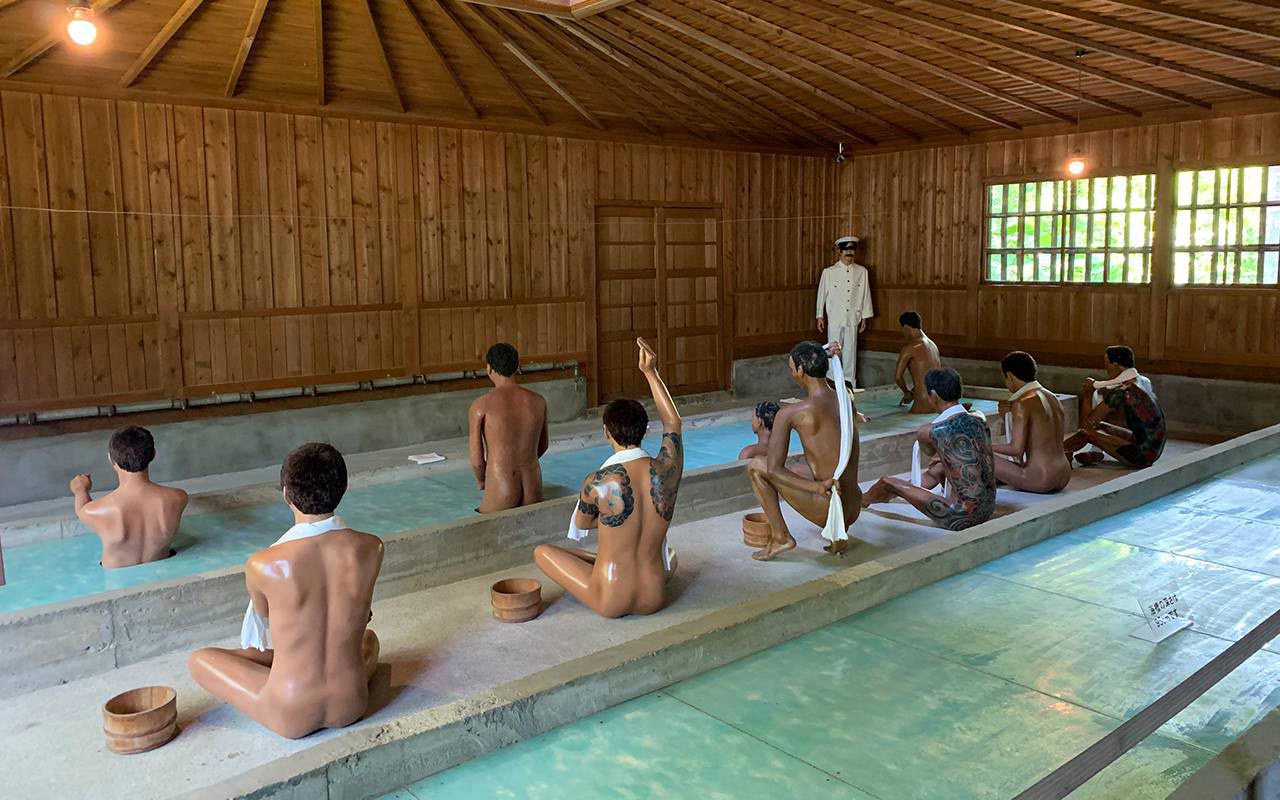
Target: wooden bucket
(755, 529)
(140, 719)
(516, 599)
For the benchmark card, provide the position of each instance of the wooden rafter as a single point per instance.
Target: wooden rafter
(1110, 49)
(603, 47)
(6, 3)
(1203, 17)
(490, 60)
(933, 69)
(246, 44)
(41, 46)
(1151, 33)
(381, 51)
(318, 9)
(778, 33)
(1015, 46)
(730, 101)
(158, 42)
(435, 48)
(874, 26)
(831, 100)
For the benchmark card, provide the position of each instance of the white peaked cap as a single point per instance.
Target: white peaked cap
(847, 240)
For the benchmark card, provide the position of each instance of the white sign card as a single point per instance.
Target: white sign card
(1166, 613)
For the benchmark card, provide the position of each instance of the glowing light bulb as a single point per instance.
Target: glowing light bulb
(81, 29)
(1076, 165)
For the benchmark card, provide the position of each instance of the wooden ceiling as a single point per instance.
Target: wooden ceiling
(763, 73)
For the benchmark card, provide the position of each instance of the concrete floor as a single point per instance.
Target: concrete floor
(441, 646)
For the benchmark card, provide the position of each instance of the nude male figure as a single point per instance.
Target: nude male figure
(962, 443)
(137, 521)
(762, 426)
(508, 434)
(1035, 441)
(817, 420)
(631, 502)
(317, 593)
(918, 355)
(1139, 441)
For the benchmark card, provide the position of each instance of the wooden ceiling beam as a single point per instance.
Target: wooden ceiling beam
(724, 99)
(603, 47)
(383, 61)
(777, 32)
(435, 48)
(246, 45)
(34, 51)
(864, 23)
(1110, 49)
(1203, 17)
(6, 3)
(159, 41)
(318, 16)
(488, 57)
(751, 60)
(932, 69)
(1213, 48)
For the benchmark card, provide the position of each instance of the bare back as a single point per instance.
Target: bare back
(319, 595)
(1045, 422)
(508, 429)
(817, 421)
(921, 356)
(136, 523)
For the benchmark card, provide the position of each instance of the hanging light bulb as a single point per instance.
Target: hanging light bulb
(1077, 164)
(81, 28)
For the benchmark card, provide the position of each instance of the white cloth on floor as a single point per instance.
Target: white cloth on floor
(621, 457)
(254, 631)
(844, 295)
(1027, 388)
(917, 470)
(835, 529)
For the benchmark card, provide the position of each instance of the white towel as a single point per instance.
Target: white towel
(1129, 374)
(1008, 415)
(254, 632)
(621, 457)
(835, 529)
(917, 471)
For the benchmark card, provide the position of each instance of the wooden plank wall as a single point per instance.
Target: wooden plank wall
(920, 214)
(160, 251)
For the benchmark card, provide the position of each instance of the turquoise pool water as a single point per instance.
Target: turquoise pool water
(65, 569)
(972, 687)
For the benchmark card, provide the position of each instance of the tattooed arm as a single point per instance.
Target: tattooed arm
(665, 472)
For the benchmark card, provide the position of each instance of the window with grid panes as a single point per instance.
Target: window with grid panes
(1227, 226)
(1088, 230)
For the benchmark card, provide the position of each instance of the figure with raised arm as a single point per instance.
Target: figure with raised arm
(1136, 443)
(508, 434)
(630, 501)
(1035, 431)
(137, 521)
(310, 669)
(762, 426)
(918, 355)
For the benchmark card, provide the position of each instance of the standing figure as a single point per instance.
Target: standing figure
(844, 297)
(1136, 443)
(315, 588)
(137, 521)
(631, 500)
(508, 434)
(918, 355)
(962, 443)
(762, 426)
(818, 421)
(1035, 433)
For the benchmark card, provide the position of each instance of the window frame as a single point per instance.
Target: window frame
(1262, 248)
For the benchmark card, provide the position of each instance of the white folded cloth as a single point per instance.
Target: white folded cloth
(917, 470)
(254, 632)
(1127, 375)
(835, 529)
(621, 457)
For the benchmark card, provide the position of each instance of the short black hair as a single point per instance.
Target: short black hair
(910, 318)
(503, 359)
(1121, 354)
(810, 358)
(314, 478)
(626, 421)
(766, 411)
(1020, 365)
(132, 449)
(945, 382)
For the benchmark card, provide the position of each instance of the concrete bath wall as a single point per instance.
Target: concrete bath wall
(199, 447)
(1193, 405)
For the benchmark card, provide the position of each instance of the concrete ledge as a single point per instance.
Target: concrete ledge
(377, 759)
(1249, 769)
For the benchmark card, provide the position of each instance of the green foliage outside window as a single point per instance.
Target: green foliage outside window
(1227, 226)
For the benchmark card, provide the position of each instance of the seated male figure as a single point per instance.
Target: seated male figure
(762, 426)
(964, 460)
(1036, 434)
(1139, 441)
(508, 434)
(138, 520)
(315, 587)
(816, 419)
(631, 500)
(918, 355)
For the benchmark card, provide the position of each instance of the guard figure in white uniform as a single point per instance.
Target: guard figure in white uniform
(844, 296)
